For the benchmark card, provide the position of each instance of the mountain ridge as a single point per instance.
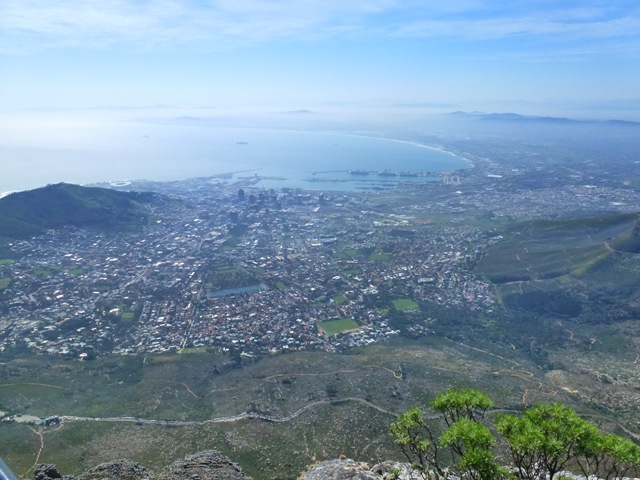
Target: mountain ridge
(31, 212)
(516, 117)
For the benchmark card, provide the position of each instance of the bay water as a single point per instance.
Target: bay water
(33, 154)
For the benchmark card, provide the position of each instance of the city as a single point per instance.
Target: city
(253, 271)
(256, 275)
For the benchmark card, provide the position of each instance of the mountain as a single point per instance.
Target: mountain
(299, 112)
(515, 117)
(23, 214)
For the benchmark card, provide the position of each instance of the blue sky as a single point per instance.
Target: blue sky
(305, 53)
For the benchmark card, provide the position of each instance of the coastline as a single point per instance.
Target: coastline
(259, 157)
(414, 143)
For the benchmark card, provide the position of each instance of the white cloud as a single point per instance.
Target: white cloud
(568, 24)
(28, 25)
(34, 24)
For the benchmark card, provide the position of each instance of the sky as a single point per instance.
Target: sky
(310, 53)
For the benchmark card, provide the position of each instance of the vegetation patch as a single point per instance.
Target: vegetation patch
(74, 272)
(4, 282)
(191, 351)
(405, 305)
(222, 277)
(238, 230)
(348, 254)
(555, 303)
(6, 261)
(350, 271)
(46, 272)
(230, 244)
(611, 344)
(334, 327)
(340, 299)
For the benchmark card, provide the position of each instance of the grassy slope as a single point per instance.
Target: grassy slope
(187, 387)
(28, 213)
(541, 249)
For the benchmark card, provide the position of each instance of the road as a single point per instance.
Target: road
(230, 419)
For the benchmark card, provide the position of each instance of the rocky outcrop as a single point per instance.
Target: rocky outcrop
(347, 469)
(46, 471)
(212, 465)
(120, 469)
(209, 465)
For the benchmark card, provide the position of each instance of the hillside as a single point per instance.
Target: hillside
(308, 406)
(23, 214)
(544, 249)
(629, 241)
(563, 283)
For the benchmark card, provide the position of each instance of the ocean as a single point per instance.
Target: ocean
(83, 151)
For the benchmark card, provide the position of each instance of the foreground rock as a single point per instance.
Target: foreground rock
(120, 469)
(209, 465)
(203, 466)
(46, 471)
(212, 465)
(347, 469)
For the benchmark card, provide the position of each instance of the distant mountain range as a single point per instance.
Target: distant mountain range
(27, 213)
(514, 117)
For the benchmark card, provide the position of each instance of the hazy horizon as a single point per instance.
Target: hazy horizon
(577, 58)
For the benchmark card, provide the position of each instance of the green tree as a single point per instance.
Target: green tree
(469, 441)
(454, 404)
(544, 440)
(418, 443)
(608, 456)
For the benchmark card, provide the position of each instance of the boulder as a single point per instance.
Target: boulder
(208, 465)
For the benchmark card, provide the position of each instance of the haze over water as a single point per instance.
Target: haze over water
(87, 152)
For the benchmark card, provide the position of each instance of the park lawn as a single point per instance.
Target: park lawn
(4, 282)
(46, 272)
(6, 261)
(405, 304)
(340, 299)
(334, 327)
(350, 271)
(192, 350)
(347, 254)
